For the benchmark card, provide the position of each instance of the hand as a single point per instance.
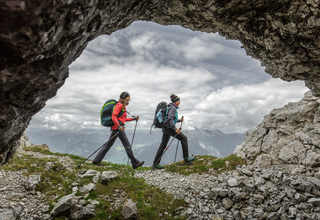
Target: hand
(178, 131)
(137, 118)
(120, 128)
(181, 119)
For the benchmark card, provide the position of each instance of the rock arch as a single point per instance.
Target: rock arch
(40, 39)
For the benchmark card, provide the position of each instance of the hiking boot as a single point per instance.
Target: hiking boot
(189, 159)
(98, 164)
(138, 165)
(159, 167)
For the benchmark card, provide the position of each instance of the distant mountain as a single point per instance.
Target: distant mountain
(84, 143)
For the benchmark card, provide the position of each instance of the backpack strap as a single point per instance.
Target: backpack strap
(121, 113)
(166, 115)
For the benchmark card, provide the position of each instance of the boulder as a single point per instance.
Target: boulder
(90, 173)
(88, 188)
(108, 176)
(129, 209)
(82, 212)
(64, 204)
(32, 182)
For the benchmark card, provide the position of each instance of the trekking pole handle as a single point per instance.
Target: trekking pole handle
(181, 123)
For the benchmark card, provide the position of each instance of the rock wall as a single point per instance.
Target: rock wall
(40, 39)
(289, 135)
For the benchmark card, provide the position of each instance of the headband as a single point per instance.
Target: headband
(175, 99)
(125, 95)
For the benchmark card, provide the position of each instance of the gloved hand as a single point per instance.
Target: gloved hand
(120, 128)
(135, 118)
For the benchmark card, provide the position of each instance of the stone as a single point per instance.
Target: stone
(43, 146)
(227, 203)
(233, 182)
(292, 151)
(87, 188)
(90, 173)
(96, 178)
(300, 198)
(292, 211)
(314, 181)
(315, 202)
(80, 212)
(129, 209)
(32, 181)
(266, 176)
(273, 216)
(312, 159)
(64, 204)
(7, 214)
(108, 176)
(259, 181)
(258, 199)
(24, 141)
(237, 215)
(49, 166)
(75, 189)
(246, 172)
(263, 160)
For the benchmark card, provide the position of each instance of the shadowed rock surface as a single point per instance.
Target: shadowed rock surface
(40, 39)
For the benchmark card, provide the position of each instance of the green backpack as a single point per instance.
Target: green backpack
(106, 112)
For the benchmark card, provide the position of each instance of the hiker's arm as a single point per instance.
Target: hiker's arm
(181, 119)
(133, 119)
(115, 113)
(170, 119)
(128, 119)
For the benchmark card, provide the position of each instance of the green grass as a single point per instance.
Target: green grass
(206, 164)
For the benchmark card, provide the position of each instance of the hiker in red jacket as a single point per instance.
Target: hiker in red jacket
(119, 126)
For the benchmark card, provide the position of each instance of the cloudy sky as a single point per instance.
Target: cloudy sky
(219, 85)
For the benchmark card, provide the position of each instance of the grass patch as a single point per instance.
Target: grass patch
(150, 201)
(206, 164)
(38, 149)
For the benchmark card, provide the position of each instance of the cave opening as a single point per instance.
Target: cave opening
(219, 85)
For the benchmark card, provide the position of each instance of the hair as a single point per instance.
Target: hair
(121, 100)
(174, 97)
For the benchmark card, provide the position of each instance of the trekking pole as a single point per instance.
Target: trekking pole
(164, 152)
(133, 137)
(98, 149)
(178, 142)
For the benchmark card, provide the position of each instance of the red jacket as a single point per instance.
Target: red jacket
(123, 118)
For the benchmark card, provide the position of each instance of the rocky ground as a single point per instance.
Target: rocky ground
(246, 193)
(18, 197)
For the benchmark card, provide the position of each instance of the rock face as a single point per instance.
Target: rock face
(40, 39)
(289, 135)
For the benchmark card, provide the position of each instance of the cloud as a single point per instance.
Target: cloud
(219, 85)
(241, 107)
